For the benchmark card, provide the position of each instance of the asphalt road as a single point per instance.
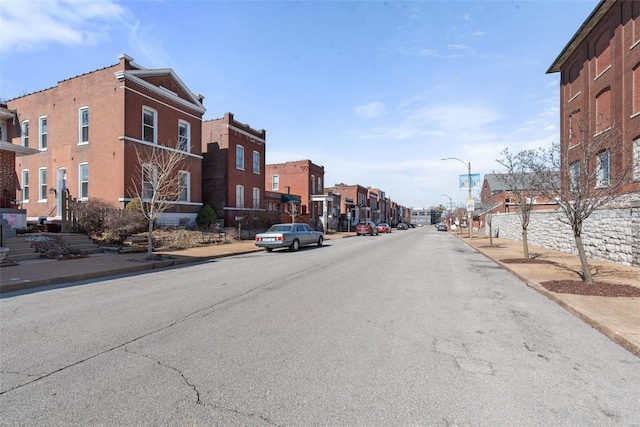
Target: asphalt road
(412, 328)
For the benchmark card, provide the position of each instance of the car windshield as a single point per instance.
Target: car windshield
(279, 228)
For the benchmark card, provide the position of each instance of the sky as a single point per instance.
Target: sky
(377, 92)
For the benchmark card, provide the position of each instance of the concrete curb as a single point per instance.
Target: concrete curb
(142, 266)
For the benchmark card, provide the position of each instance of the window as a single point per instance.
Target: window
(636, 159)
(636, 88)
(574, 84)
(43, 133)
(313, 184)
(574, 176)
(275, 182)
(239, 157)
(603, 169)
(184, 186)
(184, 136)
(24, 137)
(25, 186)
(239, 196)
(83, 125)
(574, 128)
(603, 110)
(42, 174)
(256, 162)
(149, 179)
(149, 125)
(83, 181)
(603, 60)
(320, 189)
(256, 197)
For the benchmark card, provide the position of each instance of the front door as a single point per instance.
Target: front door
(61, 184)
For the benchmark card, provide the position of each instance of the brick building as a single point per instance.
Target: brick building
(87, 130)
(302, 178)
(600, 87)
(355, 203)
(233, 169)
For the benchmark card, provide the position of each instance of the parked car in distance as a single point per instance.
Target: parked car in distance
(365, 227)
(402, 226)
(412, 225)
(290, 236)
(442, 227)
(383, 227)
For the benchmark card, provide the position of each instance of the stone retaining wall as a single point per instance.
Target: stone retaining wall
(608, 234)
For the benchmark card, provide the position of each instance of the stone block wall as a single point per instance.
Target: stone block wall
(608, 234)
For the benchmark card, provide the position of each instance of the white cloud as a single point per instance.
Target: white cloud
(28, 25)
(371, 110)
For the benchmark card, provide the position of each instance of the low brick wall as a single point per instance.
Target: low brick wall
(608, 234)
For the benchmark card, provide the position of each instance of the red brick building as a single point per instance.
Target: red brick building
(233, 169)
(302, 178)
(600, 86)
(87, 129)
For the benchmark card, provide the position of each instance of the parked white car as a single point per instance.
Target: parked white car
(290, 236)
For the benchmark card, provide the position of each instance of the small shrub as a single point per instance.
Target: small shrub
(91, 215)
(206, 217)
(120, 224)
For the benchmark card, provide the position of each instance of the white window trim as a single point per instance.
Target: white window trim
(22, 135)
(240, 165)
(155, 124)
(275, 182)
(80, 141)
(41, 184)
(188, 125)
(253, 162)
(40, 134)
(239, 196)
(187, 176)
(22, 184)
(256, 197)
(80, 165)
(154, 168)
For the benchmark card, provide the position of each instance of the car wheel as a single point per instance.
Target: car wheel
(320, 241)
(269, 249)
(295, 246)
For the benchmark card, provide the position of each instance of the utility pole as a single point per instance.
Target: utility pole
(469, 199)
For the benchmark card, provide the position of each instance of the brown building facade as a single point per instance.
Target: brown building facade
(302, 178)
(233, 168)
(600, 88)
(88, 129)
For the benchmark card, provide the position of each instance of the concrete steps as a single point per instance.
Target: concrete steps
(20, 250)
(80, 243)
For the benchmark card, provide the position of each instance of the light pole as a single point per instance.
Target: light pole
(469, 199)
(449, 214)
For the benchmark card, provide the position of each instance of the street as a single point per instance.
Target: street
(410, 328)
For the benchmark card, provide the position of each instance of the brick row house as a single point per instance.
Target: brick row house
(600, 88)
(88, 130)
(85, 136)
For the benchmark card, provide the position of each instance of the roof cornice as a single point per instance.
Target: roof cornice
(584, 30)
(137, 77)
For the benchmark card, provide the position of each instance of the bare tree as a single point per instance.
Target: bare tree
(580, 177)
(158, 185)
(487, 208)
(518, 181)
(292, 209)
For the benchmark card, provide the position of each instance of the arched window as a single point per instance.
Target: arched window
(603, 110)
(603, 57)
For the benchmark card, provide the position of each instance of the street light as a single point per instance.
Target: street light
(469, 199)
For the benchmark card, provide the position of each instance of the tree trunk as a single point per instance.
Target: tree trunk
(525, 243)
(490, 236)
(586, 272)
(150, 240)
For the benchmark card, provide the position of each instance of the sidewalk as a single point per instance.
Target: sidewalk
(618, 318)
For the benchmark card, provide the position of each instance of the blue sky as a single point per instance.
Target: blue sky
(376, 92)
